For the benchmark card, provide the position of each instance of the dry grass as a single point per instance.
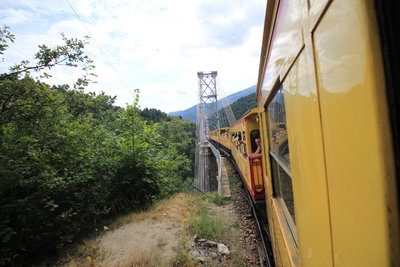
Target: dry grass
(87, 254)
(90, 254)
(175, 208)
(149, 257)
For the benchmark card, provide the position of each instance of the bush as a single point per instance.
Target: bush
(204, 225)
(216, 198)
(71, 159)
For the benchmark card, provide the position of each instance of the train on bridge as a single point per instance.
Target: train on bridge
(326, 168)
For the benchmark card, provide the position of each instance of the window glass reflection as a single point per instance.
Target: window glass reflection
(279, 151)
(277, 129)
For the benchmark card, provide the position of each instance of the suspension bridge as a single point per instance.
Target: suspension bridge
(213, 112)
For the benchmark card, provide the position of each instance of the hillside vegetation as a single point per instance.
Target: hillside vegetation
(244, 104)
(71, 159)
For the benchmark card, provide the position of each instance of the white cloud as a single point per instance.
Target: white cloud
(15, 16)
(157, 46)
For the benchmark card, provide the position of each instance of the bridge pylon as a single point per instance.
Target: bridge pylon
(207, 119)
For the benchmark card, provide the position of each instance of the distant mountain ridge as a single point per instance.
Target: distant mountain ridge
(190, 113)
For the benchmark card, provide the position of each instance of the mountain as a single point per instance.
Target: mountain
(244, 104)
(190, 113)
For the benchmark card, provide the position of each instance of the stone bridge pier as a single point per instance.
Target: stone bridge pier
(211, 174)
(207, 169)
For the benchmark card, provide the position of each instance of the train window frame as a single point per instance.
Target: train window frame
(244, 144)
(253, 135)
(277, 162)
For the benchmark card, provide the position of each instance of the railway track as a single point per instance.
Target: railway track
(259, 213)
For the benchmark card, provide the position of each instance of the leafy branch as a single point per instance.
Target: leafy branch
(70, 54)
(5, 36)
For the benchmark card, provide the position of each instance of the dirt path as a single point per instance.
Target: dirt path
(140, 242)
(150, 237)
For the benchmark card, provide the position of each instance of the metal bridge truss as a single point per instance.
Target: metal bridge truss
(211, 114)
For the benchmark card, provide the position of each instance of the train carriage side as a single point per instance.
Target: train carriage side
(328, 157)
(213, 135)
(244, 146)
(224, 138)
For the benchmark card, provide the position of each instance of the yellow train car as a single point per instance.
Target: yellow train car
(243, 149)
(222, 137)
(328, 142)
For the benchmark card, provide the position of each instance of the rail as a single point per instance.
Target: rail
(267, 258)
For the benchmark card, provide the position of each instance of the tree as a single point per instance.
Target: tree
(5, 36)
(154, 115)
(71, 159)
(70, 54)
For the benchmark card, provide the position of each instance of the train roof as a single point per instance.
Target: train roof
(249, 113)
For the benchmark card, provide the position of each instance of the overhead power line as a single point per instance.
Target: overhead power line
(22, 53)
(97, 44)
(30, 59)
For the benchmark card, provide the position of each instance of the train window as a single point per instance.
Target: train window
(244, 151)
(279, 152)
(253, 135)
(238, 146)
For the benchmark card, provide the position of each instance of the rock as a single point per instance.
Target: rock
(202, 240)
(213, 255)
(223, 249)
(201, 259)
(195, 253)
(211, 243)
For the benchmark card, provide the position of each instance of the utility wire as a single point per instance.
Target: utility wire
(30, 59)
(98, 46)
(19, 51)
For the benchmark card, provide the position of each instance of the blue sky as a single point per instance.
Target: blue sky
(154, 45)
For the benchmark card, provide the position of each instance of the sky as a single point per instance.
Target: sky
(157, 46)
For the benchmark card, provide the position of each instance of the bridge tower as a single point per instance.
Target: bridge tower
(206, 119)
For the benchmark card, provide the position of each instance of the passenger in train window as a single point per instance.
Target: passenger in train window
(256, 141)
(238, 140)
(257, 152)
(234, 138)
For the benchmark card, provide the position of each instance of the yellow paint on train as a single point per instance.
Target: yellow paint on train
(327, 157)
(240, 140)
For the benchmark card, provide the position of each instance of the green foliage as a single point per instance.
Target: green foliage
(202, 223)
(153, 115)
(182, 258)
(71, 159)
(244, 104)
(239, 108)
(216, 198)
(5, 36)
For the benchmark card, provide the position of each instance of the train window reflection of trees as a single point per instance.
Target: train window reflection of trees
(279, 151)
